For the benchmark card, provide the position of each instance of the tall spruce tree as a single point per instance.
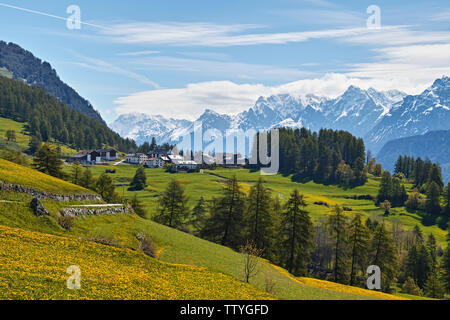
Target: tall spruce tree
(48, 161)
(338, 225)
(383, 254)
(139, 181)
(359, 241)
(225, 225)
(297, 235)
(259, 216)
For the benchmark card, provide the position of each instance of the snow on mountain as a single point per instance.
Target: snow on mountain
(356, 110)
(415, 115)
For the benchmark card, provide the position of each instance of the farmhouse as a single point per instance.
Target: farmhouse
(86, 157)
(108, 154)
(136, 158)
(95, 156)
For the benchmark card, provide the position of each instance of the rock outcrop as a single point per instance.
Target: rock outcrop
(38, 208)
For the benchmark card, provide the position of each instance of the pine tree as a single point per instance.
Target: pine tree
(433, 287)
(48, 161)
(435, 176)
(105, 187)
(137, 206)
(383, 255)
(432, 204)
(338, 225)
(34, 145)
(77, 172)
(87, 181)
(139, 181)
(385, 191)
(259, 217)
(173, 210)
(359, 241)
(297, 235)
(199, 215)
(446, 263)
(226, 222)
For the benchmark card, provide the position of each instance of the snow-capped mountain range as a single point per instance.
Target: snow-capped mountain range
(377, 116)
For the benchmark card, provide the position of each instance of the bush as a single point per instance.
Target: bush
(146, 244)
(66, 222)
(410, 287)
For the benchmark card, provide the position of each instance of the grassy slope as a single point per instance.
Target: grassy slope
(210, 185)
(22, 138)
(16, 174)
(174, 246)
(34, 267)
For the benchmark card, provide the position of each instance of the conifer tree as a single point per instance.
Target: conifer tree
(226, 222)
(359, 241)
(173, 210)
(338, 224)
(137, 206)
(259, 217)
(77, 172)
(48, 161)
(105, 187)
(297, 235)
(199, 215)
(383, 255)
(139, 181)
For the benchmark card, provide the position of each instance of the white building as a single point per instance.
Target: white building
(154, 163)
(136, 158)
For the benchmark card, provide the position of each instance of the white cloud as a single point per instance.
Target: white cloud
(214, 35)
(225, 69)
(138, 53)
(231, 98)
(106, 67)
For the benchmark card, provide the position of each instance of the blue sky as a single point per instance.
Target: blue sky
(177, 58)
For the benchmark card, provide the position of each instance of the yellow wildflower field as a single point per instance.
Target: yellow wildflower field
(33, 266)
(17, 174)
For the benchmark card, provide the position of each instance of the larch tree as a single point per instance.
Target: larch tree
(297, 235)
(173, 210)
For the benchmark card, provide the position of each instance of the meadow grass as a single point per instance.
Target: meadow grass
(33, 266)
(210, 184)
(17, 174)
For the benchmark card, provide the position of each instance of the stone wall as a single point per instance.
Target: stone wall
(94, 211)
(48, 196)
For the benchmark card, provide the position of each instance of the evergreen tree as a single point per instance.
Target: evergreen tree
(297, 235)
(359, 241)
(446, 263)
(383, 255)
(87, 181)
(34, 145)
(77, 172)
(433, 287)
(259, 216)
(11, 135)
(385, 191)
(226, 222)
(105, 187)
(338, 224)
(173, 210)
(137, 206)
(139, 181)
(435, 176)
(199, 215)
(433, 204)
(48, 161)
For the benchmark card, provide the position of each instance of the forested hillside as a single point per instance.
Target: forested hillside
(50, 119)
(434, 145)
(26, 67)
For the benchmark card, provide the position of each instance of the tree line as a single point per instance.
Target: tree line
(49, 119)
(426, 178)
(327, 157)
